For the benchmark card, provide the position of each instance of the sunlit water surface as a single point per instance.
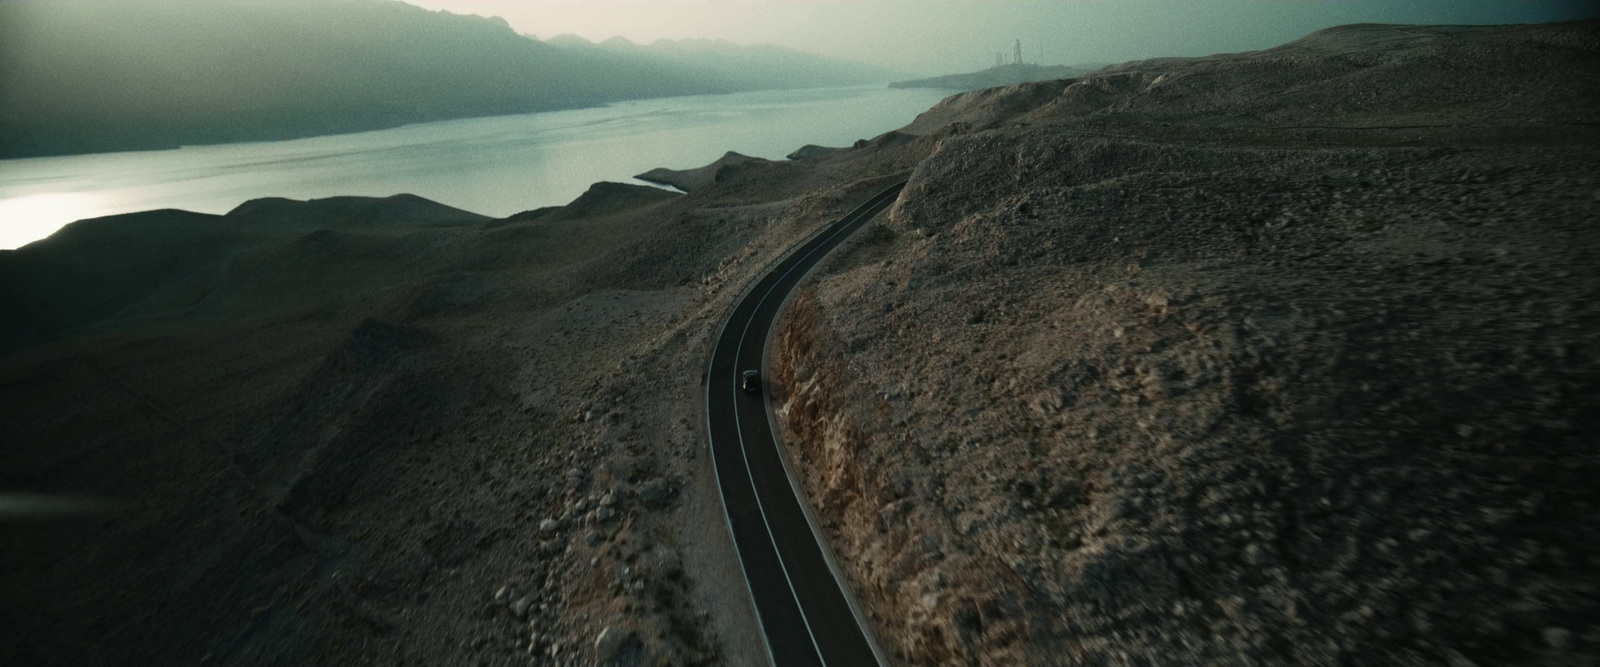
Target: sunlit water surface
(495, 166)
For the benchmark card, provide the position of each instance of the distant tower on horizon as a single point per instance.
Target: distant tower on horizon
(1016, 52)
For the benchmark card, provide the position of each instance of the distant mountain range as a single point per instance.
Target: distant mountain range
(724, 64)
(1000, 75)
(83, 77)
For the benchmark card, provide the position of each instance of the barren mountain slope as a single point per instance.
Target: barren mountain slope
(1358, 82)
(1141, 371)
(357, 431)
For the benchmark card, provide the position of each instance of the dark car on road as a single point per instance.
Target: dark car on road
(750, 381)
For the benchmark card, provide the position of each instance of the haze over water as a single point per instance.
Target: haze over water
(495, 166)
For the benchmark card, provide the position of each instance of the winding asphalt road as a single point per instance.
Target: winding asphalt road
(805, 615)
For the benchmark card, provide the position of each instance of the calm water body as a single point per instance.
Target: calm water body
(495, 166)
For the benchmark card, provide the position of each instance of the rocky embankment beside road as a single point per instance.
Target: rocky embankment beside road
(1276, 358)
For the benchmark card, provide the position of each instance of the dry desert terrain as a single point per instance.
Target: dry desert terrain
(1275, 358)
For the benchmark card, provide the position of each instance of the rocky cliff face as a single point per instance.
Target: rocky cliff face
(1101, 391)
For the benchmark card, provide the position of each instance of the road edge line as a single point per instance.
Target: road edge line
(727, 519)
(828, 554)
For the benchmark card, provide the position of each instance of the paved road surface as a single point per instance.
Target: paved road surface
(804, 614)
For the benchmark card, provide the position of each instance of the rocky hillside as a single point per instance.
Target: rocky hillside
(1278, 358)
(385, 431)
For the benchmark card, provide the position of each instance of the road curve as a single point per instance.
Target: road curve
(805, 616)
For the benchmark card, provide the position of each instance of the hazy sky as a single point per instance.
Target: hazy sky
(941, 36)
